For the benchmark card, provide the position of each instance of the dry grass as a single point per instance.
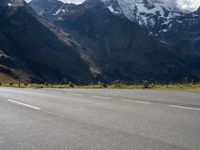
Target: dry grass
(176, 87)
(6, 79)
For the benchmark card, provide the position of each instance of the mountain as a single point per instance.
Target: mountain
(126, 40)
(144, 12)
(34, 50)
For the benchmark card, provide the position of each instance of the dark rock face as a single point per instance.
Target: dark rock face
(37, 48)
(183, 37)
(16, 3)
(118, 49)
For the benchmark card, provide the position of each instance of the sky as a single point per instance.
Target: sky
(188, 5)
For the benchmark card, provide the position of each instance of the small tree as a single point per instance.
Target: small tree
(146, 84)
(65, 81)
(71, 84)
(19, 84)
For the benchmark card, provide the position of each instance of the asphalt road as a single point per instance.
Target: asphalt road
(82, 119)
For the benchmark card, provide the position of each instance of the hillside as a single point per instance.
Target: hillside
(37, 49)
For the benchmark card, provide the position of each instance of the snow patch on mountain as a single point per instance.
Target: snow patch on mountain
(139, 9)
(60, 10)
(148, 13)
(129, 11)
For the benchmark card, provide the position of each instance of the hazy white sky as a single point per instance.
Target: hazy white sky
(189, 5)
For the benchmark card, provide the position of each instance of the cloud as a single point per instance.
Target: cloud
(184, 5)
(188, 5)
(73, 1)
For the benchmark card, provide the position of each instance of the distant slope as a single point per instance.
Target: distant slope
(31, 45)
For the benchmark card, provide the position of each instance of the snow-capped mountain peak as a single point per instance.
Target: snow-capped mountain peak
(137, 9)
(157, 15)
(148, 13)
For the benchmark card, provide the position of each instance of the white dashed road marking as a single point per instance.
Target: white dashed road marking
(23, 104)
(182, 107)
(132, 101)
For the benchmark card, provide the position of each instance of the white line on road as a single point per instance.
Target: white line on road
(101, 97)
(132, 101)
(182, 107)
(23, 104)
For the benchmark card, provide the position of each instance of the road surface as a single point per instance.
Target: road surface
(101, 119)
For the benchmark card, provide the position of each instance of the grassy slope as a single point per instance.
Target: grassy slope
(176, 87)
(6, 79)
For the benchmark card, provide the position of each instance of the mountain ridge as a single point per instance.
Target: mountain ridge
(89, 43)
(159, 62)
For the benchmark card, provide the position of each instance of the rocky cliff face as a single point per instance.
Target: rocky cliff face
(13, 3)
(33, 48)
